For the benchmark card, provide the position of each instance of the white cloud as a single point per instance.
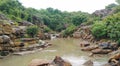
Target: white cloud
(68, 5)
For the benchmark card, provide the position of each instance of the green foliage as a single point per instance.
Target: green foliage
(118, 1)
(46, 29)
(69, 31)
(113, 26)
(99, 30)
(109, 28)
(79, 18)
(110, 6)
(32, 31)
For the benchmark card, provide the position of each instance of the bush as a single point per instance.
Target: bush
(46, 29)
(32, 31)
(99, 30)
(69, 31)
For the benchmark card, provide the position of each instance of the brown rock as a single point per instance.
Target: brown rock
(89, 48)
(58, 61)
(84, 44)
(39, 62)
(115, 60)
(101, 51)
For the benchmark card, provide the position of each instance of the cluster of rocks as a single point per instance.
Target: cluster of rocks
(12, 36)
(103, 12)
(104, 48)
(101, 48)
(84, 33)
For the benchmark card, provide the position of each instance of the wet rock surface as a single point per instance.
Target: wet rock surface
(88, 63)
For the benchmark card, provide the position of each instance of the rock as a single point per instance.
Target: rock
(84, 44)
(29, 40)
(5, 27)
(25, 23)
(101, 51)
(114, 52)
(89, 48)
(39, 62)
(19, 31)
(88, 63)
(115, 60)
(4, 39)
(102, 13)
(107, 64)
(105, 45)
(58, 61)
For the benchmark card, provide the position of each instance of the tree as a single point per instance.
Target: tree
(110, 6)
(118, 1)
(32, 31)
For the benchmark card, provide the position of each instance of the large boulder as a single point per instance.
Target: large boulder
(58, 61)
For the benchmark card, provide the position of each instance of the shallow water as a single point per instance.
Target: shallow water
(68, 49)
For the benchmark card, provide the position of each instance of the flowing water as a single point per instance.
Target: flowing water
(68, 49)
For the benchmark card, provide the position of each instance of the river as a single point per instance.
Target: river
(68, 49)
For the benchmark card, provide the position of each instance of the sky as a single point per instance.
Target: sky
(68, 5)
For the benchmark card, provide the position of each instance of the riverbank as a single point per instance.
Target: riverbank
(68, 49)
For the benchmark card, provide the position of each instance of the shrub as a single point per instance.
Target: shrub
(99, 30)
(32, 31)
(69, 31)
(46, 29)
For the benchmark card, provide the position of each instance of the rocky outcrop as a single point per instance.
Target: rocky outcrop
(102, 13)
(84, 33)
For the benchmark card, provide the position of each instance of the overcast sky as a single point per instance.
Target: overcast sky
(68, 5)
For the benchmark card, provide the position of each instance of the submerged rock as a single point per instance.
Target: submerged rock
(88, 63)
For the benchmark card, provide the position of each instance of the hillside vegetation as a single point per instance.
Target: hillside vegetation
(105, 22)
